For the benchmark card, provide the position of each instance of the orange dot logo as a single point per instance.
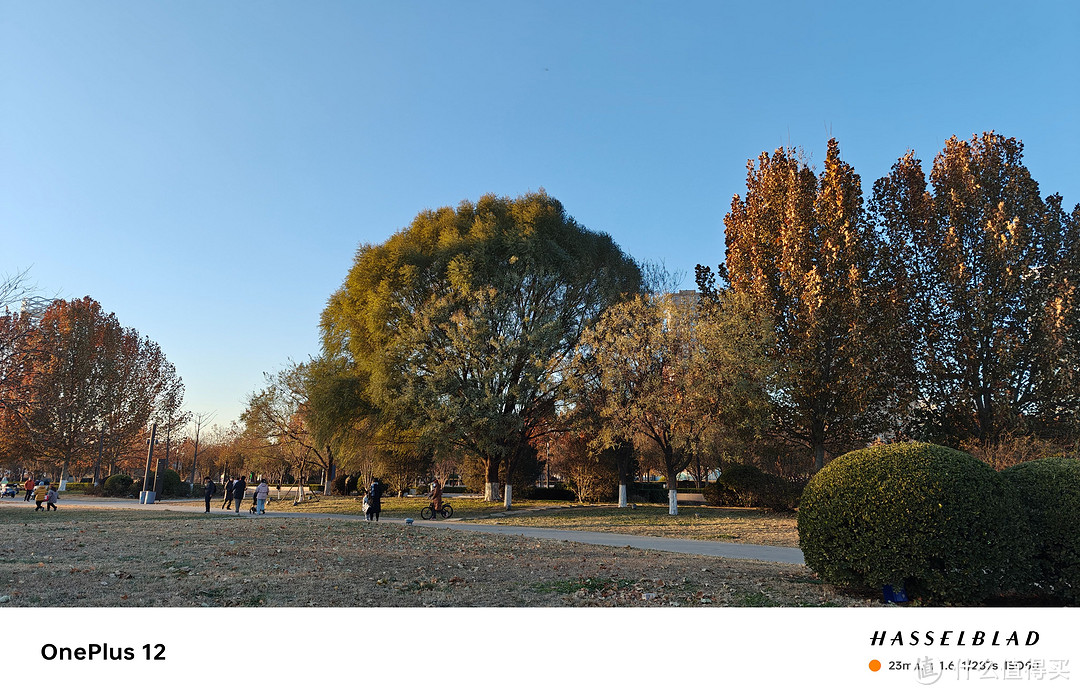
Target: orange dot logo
(875, 665)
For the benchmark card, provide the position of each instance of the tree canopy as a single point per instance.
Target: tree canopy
(799, 248)
(84, 383)
(464, 321)
(675, 375)
(993, 270)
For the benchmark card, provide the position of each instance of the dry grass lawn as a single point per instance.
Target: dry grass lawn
(754, 526)
(159, 558)
(704, 523)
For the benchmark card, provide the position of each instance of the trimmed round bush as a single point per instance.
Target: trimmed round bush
(1048, 490)
(117, 485)
(933, 520)
(171, 485)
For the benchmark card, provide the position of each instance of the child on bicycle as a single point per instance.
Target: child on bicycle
(436, 496)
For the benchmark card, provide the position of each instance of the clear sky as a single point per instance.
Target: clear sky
(206, 169)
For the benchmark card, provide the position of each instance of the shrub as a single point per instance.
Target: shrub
(555, 494)
(118, 485)
(77, 488)
(1048, 491)
(341, 484)
(653, 493)
(934, 520)
(748, 486)
(171, 485)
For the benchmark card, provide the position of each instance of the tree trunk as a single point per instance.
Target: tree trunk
(195, 458)
(97, 464)
(64, 472)
(491, 479)
(817, 442)
(509, 494)
(672, 482)
(333, 472)
(625, 468)
(159, 478)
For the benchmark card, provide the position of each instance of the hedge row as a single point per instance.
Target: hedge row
(747, 486)
(1048, 490)
(944, 525)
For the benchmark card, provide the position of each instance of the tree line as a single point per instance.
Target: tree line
(944, 310)
(502, 339)
(78, 389)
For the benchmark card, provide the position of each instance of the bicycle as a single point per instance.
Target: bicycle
(428, 512)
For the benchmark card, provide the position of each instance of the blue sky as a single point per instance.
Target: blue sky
(206, 170)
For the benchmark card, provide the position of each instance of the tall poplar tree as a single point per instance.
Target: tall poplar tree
(993, 271)
(800, 249)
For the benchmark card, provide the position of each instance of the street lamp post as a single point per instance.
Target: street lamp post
(147, 496)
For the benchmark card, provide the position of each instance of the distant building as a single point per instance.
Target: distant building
(684, 297)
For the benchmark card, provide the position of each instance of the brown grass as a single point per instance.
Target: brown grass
(160, 558)
(752, 526)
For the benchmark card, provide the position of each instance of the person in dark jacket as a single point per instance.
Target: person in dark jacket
(238, 492)
(374, 500)
(227, 503)
(208, 492)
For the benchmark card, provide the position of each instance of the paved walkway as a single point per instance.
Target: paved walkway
(739, 551)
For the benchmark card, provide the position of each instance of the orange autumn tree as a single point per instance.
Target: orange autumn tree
(92, 384)
(800, 250)
(994, 271)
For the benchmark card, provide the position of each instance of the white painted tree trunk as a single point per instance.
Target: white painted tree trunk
(491, 492)
(509, 494)
(673, 502)
(622, 495)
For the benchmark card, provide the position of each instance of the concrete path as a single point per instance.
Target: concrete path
(739, 551)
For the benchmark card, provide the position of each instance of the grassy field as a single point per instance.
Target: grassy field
(402, 507)
(704, 523)
(158, 558)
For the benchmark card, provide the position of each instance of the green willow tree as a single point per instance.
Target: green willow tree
(800, 249)
(993, 270)
(463, 322)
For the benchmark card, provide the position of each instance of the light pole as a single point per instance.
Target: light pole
(147, 496)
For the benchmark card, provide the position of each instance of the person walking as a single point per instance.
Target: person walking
(41, 492)
(374, 500)
(228, 493)
(208, 491)
(238, 492)
(261, 493)
(29, 487)
(50, 498)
